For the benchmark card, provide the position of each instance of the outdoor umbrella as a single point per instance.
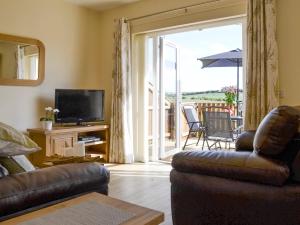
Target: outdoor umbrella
(233, 58)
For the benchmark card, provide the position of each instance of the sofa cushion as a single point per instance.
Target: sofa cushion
(14, 142)
(291, 157)
(3, 171)
(245, 166)
(244, 141)
(296, 168)
(11, 165)
(8, 148)
(16, 164)
(276, 130)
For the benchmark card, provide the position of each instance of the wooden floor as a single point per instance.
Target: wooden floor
(147, 185)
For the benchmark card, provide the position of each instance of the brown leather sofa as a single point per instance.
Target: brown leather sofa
(23, 192)
(245, 187)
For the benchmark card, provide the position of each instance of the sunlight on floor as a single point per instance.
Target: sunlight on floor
(140, 167)
(145, 184)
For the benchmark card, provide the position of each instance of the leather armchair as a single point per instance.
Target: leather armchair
(245, 187)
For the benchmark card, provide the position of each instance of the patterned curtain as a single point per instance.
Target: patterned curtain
(262, 83)
(121, 141)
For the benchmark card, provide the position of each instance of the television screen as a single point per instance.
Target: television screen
(76, 106)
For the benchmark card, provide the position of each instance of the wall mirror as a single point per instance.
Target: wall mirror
(22, 61)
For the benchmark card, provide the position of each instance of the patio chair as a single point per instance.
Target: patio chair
(195, 125)
(218, 127)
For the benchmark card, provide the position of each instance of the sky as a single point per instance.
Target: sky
(200, 43)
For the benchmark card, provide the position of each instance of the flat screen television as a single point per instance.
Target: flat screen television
(79, 106)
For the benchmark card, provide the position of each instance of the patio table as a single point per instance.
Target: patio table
(238, 120)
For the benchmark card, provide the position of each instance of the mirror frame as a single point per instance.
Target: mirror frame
(41, 63)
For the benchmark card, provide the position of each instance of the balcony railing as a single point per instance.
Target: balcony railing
(170, 113)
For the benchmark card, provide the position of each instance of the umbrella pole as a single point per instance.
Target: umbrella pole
(237, 87)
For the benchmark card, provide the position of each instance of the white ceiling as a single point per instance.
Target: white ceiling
(101, 5)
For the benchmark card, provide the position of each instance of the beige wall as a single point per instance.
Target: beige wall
(289, 49)
(71, 36)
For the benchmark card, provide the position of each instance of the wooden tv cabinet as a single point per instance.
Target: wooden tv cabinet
(66, 137)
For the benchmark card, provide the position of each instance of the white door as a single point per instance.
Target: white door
(169, 99)
(164, 98)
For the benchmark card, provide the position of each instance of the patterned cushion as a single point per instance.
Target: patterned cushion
(3, 171)
(16, 164)
(13, 142)
(23, 162)
(276, 130)
(11, 165)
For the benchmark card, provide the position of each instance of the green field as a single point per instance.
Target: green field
(200, 96)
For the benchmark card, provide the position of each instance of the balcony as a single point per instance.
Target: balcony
(170, 128)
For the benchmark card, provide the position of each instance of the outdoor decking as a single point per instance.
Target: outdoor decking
(192, 145)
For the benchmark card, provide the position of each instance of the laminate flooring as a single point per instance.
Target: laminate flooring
(145, 184)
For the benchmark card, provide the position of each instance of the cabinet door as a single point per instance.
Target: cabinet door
(63, 142)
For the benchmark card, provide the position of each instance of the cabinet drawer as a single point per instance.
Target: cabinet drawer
(59, 143)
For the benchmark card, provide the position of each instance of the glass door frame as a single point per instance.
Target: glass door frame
(162, 147)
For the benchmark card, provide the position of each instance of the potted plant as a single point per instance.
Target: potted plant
(48, 119)
(230, 95)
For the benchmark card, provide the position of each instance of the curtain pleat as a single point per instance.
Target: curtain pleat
(262, 82)
(121, 141)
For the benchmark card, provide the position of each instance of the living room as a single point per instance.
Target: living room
(79, 48)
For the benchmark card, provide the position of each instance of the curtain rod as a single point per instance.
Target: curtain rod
(171, 10)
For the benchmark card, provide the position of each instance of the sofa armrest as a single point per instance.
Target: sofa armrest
(244, 141)
(246, 166)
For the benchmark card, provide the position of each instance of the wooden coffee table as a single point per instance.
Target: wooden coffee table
(140, 215)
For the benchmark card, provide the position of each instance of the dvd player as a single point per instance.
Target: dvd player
(87, 139)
